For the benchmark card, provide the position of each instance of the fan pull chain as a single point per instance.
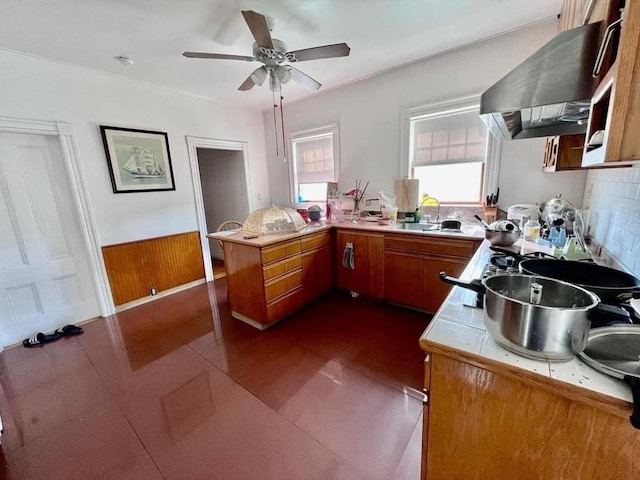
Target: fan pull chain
(275, 125)
(284, 143)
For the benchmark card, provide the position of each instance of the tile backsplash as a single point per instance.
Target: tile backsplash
(613, 197)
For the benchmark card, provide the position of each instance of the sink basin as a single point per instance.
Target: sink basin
(474, 230)
(424, 227)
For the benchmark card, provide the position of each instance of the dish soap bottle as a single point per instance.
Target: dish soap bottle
(416, 215)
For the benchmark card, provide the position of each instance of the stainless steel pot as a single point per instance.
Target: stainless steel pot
(502, 238)
(533, 316)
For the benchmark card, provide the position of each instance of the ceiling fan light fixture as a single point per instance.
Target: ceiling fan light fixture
(283, 74)
(259, 75)
(274, 83)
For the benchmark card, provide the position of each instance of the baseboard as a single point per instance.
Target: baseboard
(165, 293)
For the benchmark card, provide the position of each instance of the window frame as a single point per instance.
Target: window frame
(334, 130)
(491, 164)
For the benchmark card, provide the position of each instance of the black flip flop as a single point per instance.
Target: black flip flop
(41, 338)
(69, 330)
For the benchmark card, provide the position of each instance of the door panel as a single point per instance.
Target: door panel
(435, 290)
(403, 278)
(45, 281)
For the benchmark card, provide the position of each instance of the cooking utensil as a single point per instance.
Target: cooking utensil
(553, 328)
(616, 352)
(611, 285)
(501, 238)
(450, 225)
(486, 225)
(502, 232)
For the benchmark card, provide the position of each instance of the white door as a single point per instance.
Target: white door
(45, 281)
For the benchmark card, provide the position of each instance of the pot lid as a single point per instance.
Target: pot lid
(614, 350)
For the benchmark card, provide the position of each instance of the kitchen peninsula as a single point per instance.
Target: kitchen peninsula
(272, 276)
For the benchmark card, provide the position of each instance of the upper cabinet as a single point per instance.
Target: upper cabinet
(614, 120)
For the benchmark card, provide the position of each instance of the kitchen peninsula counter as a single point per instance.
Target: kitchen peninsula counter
(490, 413)
(236, 236)
(271, 276)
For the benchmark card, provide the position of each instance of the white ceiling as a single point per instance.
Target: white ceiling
(382, 34)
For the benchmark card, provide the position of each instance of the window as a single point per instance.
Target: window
(315, 162)
(448, 145)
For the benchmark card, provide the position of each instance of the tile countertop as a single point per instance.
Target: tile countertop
(460, 330)
(236, 236)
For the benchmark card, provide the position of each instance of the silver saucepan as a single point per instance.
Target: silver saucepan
(533, 316)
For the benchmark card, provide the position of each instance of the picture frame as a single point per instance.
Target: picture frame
(138, 160)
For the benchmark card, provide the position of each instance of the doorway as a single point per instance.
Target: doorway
(223, 181)
(46, 277)
(222, 187)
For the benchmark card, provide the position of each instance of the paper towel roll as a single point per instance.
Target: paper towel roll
(406, 192)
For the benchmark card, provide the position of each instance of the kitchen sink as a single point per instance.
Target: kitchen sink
(425, 227)
(466, 229)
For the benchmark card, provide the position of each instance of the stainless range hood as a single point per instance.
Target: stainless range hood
(549, 93)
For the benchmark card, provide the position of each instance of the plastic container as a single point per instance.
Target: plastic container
(390, 214)
(532, 231)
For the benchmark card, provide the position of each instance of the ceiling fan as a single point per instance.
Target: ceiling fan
(273, 54)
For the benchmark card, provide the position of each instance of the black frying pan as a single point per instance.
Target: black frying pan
(611, 285)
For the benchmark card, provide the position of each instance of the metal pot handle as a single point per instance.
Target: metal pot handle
(474, 285)
(634, 383)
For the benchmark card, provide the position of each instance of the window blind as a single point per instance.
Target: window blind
(313, 158)
(449, 137)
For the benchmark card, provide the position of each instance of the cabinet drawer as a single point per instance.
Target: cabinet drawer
(283, 266)
(283, 284)
(286, 305)
(316, 240)
(280, 251)
(448, 247)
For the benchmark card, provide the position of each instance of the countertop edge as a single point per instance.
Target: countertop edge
(267, 240)
(615, 406)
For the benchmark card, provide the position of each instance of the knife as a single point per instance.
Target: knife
(497, 195)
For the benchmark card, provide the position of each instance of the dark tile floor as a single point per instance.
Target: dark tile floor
(178, 389)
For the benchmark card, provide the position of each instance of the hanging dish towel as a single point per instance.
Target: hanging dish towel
(348, 259)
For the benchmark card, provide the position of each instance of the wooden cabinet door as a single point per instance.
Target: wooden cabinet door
(367, 276)
(485, 425)
(435, 290)
(403, 278)
(317, 266)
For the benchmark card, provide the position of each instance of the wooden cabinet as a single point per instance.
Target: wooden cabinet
(563, 153)
(367, 276)
(317, 265)
(615, 107)
(265, 284)
(486, 424)
(434, 289)
(413, 264)
(403, 278)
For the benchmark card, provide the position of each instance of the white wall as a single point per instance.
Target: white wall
(42, 90)
(613, 196)
(522, 180)
(224, 189)
(369, 114)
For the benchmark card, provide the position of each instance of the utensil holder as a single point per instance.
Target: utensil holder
(490, 214)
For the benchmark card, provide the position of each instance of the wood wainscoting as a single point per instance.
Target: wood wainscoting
(134, 268)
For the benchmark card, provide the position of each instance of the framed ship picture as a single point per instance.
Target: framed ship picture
(138, 160)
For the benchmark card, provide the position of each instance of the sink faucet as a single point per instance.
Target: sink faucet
(431, 201)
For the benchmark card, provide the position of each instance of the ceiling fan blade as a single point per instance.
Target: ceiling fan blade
(218, 56)
(316, 53)
(247, 84)
(259, 28)
(303, 79)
